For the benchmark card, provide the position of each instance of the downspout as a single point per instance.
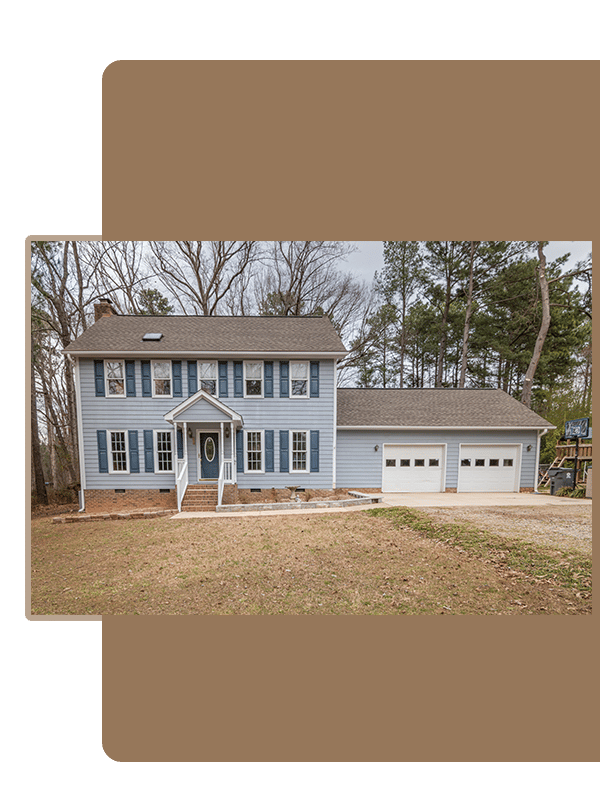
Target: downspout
(541, 432)
(334, 476)
(79, 416)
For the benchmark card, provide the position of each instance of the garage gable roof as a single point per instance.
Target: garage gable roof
(434, 408)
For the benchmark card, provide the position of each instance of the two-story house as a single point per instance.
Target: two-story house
(195, 411)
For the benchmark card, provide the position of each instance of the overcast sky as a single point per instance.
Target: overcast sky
(369, 256)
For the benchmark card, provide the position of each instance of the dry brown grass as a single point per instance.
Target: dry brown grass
(351, 563)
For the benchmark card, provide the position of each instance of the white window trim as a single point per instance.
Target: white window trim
(300, 396)
(109, 452)
(262, 452)
(106, 378)
(199, 379)
(173, 450)
(170, 363)
(262, 380)
(291, 452)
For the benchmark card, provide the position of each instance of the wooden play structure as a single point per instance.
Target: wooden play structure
(579, 452)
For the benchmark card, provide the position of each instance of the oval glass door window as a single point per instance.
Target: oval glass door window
(209, 449)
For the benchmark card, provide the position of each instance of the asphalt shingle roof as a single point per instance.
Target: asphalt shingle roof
(435, 408)
(182, 334)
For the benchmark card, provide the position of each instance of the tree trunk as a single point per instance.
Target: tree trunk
(468, 312)
(39, 485)
(539, 344)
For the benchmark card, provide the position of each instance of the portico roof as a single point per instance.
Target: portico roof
(203, 407)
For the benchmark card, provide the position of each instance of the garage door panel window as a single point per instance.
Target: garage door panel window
(419, 462)
(494, 462)
(465, 462)
(390, 462)
(434, 462)
(508, 462)
(480, 462)
(405, 462)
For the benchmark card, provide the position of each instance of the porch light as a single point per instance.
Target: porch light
(191, 435)
(227, 433)
(376, 448)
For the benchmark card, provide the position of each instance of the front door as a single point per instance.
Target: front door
(208, 456)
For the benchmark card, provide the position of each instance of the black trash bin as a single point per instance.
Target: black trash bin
(562, 477)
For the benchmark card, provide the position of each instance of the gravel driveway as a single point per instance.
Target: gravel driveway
(563, 527)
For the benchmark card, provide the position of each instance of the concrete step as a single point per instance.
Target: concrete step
(194, 507)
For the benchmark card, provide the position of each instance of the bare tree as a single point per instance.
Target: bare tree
(541, 338)
(200, 275)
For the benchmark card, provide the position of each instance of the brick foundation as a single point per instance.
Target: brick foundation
(109, 500)
(527, 489)
(450, 489)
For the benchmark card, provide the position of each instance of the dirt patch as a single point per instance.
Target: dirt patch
(319, 564)
(564, 527)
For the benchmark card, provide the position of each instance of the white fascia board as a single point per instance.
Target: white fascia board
(444, 427)
(199, 355)
(202, 395)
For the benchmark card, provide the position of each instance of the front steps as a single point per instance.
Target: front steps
(200, 497)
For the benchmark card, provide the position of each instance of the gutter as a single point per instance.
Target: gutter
(260, 355)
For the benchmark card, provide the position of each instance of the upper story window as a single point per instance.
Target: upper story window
(299, 378)
(208, 376)
(115, 378)
(253, 378)
(161, 379)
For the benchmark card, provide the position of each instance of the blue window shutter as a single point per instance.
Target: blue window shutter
(146, 380)
(130, 378)
(314, 378)
(192, 367)
(314, 451)
(238, 379)
(284, 451)
(177, 382)
(134, 453)
(102, 451)
(179, 443)
(268, 379)
(99, 378)
(223, 387)
(149, 451)
(284, 383)
(269, 451)
(239, 447)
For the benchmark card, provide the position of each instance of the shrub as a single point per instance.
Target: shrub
(564, 491)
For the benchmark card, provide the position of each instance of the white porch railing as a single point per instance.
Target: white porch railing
(225, 476)
(182, 480)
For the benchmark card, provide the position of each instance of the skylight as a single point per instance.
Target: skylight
(152, 337)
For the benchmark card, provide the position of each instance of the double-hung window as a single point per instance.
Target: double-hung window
(298, 450)
(161, 379)
(253, 378)
(208, 376)
(299, 378)
(118, 460)
(163, 449)
(254, 451)
(115, 378)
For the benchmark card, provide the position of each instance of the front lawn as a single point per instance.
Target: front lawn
(377, 562)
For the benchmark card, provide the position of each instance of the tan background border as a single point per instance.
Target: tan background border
(349, 150)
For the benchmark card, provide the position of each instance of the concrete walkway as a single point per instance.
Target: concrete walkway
(410, 499)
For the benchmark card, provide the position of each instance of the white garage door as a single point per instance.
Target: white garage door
(413, 467)
(488, 468)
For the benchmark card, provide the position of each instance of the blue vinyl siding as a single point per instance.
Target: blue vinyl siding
(145, 413)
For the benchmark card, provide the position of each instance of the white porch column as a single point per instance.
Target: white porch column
(222, 447)
(185, 445)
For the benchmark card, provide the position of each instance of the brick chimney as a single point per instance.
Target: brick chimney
(103, 308)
